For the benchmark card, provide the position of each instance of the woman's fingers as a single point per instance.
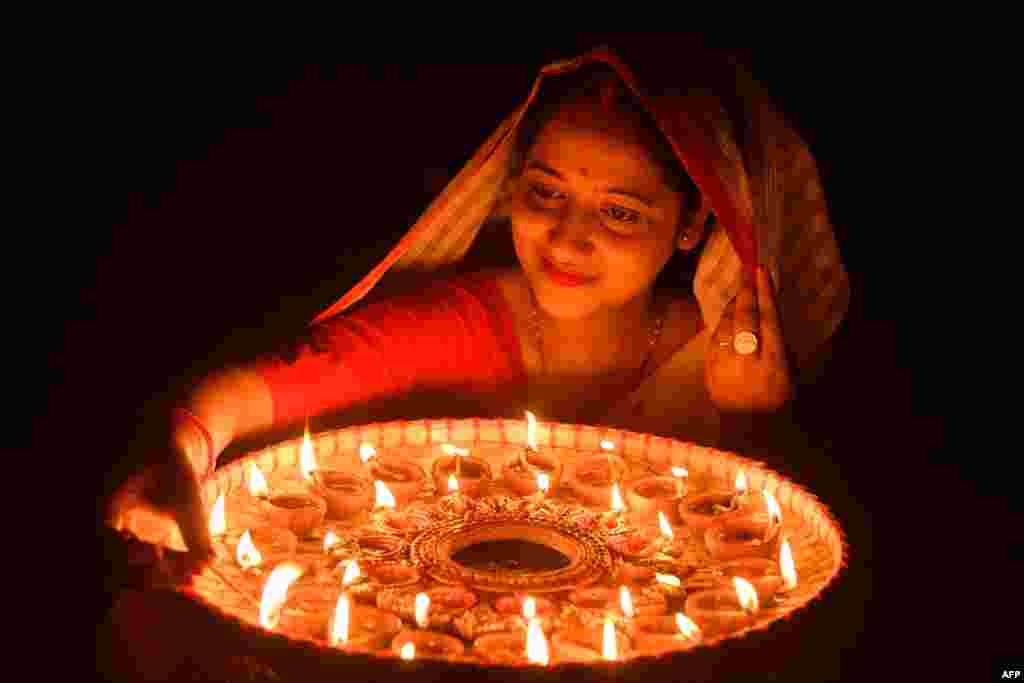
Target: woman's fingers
(772, 346)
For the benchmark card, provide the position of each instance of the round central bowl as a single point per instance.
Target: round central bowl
(586, 556)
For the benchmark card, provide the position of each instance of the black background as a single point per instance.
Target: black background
(237, 197)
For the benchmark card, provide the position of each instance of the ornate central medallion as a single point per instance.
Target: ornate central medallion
(568, 557)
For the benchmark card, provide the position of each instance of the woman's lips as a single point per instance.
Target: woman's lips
(563, 278)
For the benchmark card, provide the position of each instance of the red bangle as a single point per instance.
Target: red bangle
(182, 414)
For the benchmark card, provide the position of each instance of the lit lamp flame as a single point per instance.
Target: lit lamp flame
(746, 594)
(666, 528)
(679, 473)
(449, 449)
(536, 644)
(459, 454)
(453, 484)
(626, 602)
(617, 503)
(529, 608)
(422, 608)
(257, 482)
(543, 483)
(247, 554)
(275, 591)
(609, 648)
(382, 496)
(330, 540)
(339, 627)
(218, 518)
(787, 566)
(668, 580)
(687, 627)
(307, 460)
(351, 573)
(774, 511)
(408, 651)
(366, 452)
(531, 431)
(741, 483)
(607, 445)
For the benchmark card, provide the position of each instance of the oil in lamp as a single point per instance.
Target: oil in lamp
(716, 508)
(426, 643)
(404, 477)
(586, 644)
(668, 543)
(523, 645)
(652, 495)
(521, 471)
(472, 472)
(671, 586)
(345, 494)
(661, 634)
(384, 575)
(454, 503)
(723, 610)
(297, 511)
(746, 536)
(592, 476)
(360, 627)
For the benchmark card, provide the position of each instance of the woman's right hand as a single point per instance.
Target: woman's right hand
(162, 506)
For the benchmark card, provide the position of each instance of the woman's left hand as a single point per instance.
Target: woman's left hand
(749, 374)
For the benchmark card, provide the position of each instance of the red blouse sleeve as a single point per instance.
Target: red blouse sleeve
(456, 333)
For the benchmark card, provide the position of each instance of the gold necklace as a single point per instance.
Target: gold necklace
(538, 332)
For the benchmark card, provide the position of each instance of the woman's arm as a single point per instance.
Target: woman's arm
(452, 333)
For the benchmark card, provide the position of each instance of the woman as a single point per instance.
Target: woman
(606, 194)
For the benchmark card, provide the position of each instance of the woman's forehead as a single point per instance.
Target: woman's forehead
(596, 146)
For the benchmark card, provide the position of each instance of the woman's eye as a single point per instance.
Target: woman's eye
(621, 215)
(544, 192)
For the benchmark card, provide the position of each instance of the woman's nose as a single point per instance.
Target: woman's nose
(573, 230)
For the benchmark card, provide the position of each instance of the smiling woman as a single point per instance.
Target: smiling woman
(601, 185)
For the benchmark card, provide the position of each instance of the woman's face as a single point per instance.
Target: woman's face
(593, 219)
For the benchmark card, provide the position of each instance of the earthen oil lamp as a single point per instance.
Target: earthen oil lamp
(298, 511)
(360, 627)
(715, 508)
(384, 575)
(425, 643)
(345, 493)
(521, 470)
(264, 546)
(592, 476)
(377, 546)
(671, 586)
(635, 546)
(591, 645)
(661, 634)
(723, 610)
(524, 607)
(746, 536)
(403, 476)
(454, 503)
(773, 581)
(310, 605)
(253, 549)
(472, 472)
(648, 496)
(519, 646)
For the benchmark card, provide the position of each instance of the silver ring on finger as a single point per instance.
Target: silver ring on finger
(745, 343)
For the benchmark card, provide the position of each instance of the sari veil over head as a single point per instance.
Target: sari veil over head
(756, 177)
